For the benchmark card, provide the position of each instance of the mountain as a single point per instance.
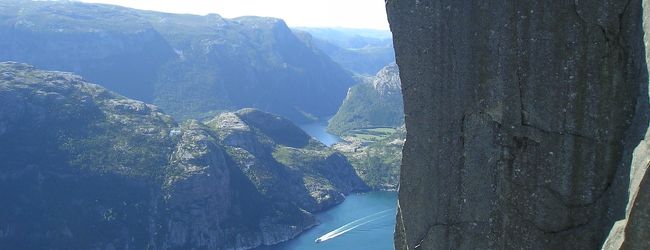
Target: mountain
(284, 162)
(371, 124)
(377, 102)
(191, 66)
(82, 167)
(361, 51)
(350, 37)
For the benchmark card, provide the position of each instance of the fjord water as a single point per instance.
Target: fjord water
(370, 216)
(318, 130)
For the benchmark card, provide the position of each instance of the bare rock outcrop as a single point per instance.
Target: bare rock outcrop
(522, 119)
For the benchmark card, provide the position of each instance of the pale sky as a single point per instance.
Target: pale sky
(310, 13)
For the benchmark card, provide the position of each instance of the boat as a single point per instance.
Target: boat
(318, 240)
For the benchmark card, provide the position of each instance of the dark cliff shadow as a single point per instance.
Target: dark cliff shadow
(620, 190)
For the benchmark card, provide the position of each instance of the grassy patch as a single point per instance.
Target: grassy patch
(371, 134)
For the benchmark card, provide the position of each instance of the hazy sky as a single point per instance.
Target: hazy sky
(312, 13)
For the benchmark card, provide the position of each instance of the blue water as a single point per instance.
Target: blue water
(318, 130)
(372, 213)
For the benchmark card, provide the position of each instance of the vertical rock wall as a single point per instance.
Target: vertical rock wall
(522, 117)
(633, 232)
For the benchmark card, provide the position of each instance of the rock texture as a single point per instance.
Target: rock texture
(387, 82)
(522, 118)
(84, 168)
(633, 232)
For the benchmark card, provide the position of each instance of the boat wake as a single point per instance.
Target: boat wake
(352, 225)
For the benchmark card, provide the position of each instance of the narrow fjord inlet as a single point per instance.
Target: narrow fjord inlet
(362, 221)
(197, 124)
(318, 130)
(324, 124)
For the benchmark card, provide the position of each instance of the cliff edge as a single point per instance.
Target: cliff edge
(522, 120)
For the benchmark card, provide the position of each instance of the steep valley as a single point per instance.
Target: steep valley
(83, 167)
(493, 125)
(191, 66)
(361, 51)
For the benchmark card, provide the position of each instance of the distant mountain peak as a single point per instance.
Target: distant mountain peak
(376, 102)
(387, 81)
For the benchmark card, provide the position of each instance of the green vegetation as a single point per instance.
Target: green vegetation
(76, 157)
(376, 155)
(280, 159)
(370, 134)
(376, 102)
(370, 121)
(128, 143)
(363, 108)
(299, 158)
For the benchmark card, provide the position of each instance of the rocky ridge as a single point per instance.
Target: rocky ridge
(284, 160)
(191, 66)
(83, 167)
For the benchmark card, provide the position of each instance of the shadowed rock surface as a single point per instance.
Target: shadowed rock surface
(633, 232)
(522, 119)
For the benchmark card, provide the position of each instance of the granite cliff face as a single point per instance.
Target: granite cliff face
(82, 167)
(632, 232)
(522, 119)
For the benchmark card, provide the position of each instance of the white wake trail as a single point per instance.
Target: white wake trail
(324, 238)
(352, 225)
